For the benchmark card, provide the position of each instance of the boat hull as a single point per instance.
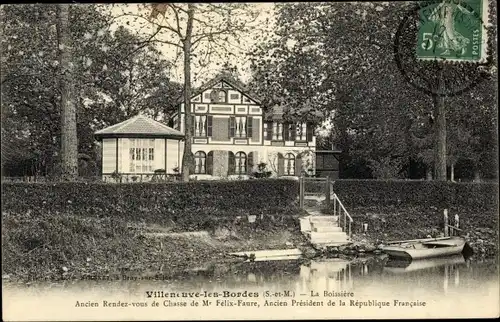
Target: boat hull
(452, 246)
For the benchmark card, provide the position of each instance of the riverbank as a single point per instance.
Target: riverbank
(480, 228)
(60, 231)
(57, 246)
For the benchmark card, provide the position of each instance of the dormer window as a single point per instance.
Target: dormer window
(218, 96)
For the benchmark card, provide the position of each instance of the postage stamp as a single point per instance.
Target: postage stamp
(453, 30)
(444, 42)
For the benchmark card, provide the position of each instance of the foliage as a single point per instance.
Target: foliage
(410, 193)
(189, 203)
(197, 32)
(114, 79)
(262, 171)
(335, 60)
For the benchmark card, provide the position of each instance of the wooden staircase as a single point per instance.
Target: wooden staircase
(324, 230)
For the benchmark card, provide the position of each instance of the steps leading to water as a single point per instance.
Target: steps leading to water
(323, 231)
(324, 219)
(328, 237)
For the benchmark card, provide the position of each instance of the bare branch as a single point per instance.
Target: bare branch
(177, 21)
(198, 37)
(167, 26)
(166, 42)
(143, 44)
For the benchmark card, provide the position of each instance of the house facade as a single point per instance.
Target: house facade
(232, 134)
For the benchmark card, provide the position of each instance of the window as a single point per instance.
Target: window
(241, 122)
(141, 155)
(221, 97)
(218, 96)
(237, 163)
(289, 164)
(240, 163)
(202, 125)
(200, 159)
(277, 131)
(240, 126)
(289, 133)
(268, 131)
(234, 96)
(301, 131)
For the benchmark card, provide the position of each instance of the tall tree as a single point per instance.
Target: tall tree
(113, 80)
(201, 31)
(69, 138)
(339, 58)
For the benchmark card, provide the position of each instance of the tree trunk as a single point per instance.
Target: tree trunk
(187, 158)
(439, 133)
(452, 172)
(69, 139)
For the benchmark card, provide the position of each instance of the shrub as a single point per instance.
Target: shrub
(262, 171)
(187, 202)
(417, 193)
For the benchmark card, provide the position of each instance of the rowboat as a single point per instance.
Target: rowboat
(424, 248)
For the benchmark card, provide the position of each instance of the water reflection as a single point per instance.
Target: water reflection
(471, 288)
(332, 274)
(370, 275)
(450, 268)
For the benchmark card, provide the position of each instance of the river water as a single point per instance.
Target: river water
(371, 287)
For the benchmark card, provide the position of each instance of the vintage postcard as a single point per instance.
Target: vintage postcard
(221, 161)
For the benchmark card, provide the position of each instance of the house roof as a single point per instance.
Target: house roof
(139, 126)
(236, 84)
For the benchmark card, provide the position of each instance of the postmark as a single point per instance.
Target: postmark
(453, 30)
(443, 48)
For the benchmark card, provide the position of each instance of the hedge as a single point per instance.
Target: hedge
(417, 193)
(155, 202)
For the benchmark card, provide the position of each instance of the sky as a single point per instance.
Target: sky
(263, 26)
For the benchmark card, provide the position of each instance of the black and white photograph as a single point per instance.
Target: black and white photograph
(249, 160)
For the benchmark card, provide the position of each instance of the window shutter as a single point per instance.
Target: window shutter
(250, 163)
(309, 132)
(269, 131)
(249, 127)
(232, 126)
(281, 165)
(210, 163)
(231, 163)
(293, 132)
(298, 165)
(209, 125)
(286, 131)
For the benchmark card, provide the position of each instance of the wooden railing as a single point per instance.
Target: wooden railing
(324, 186)
(345, 220)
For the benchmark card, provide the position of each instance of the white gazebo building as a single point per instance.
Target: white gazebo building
(140, 149)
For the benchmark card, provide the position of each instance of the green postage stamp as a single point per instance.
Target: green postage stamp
(453, 30)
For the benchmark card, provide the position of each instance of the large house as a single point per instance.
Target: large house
(232, 135)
